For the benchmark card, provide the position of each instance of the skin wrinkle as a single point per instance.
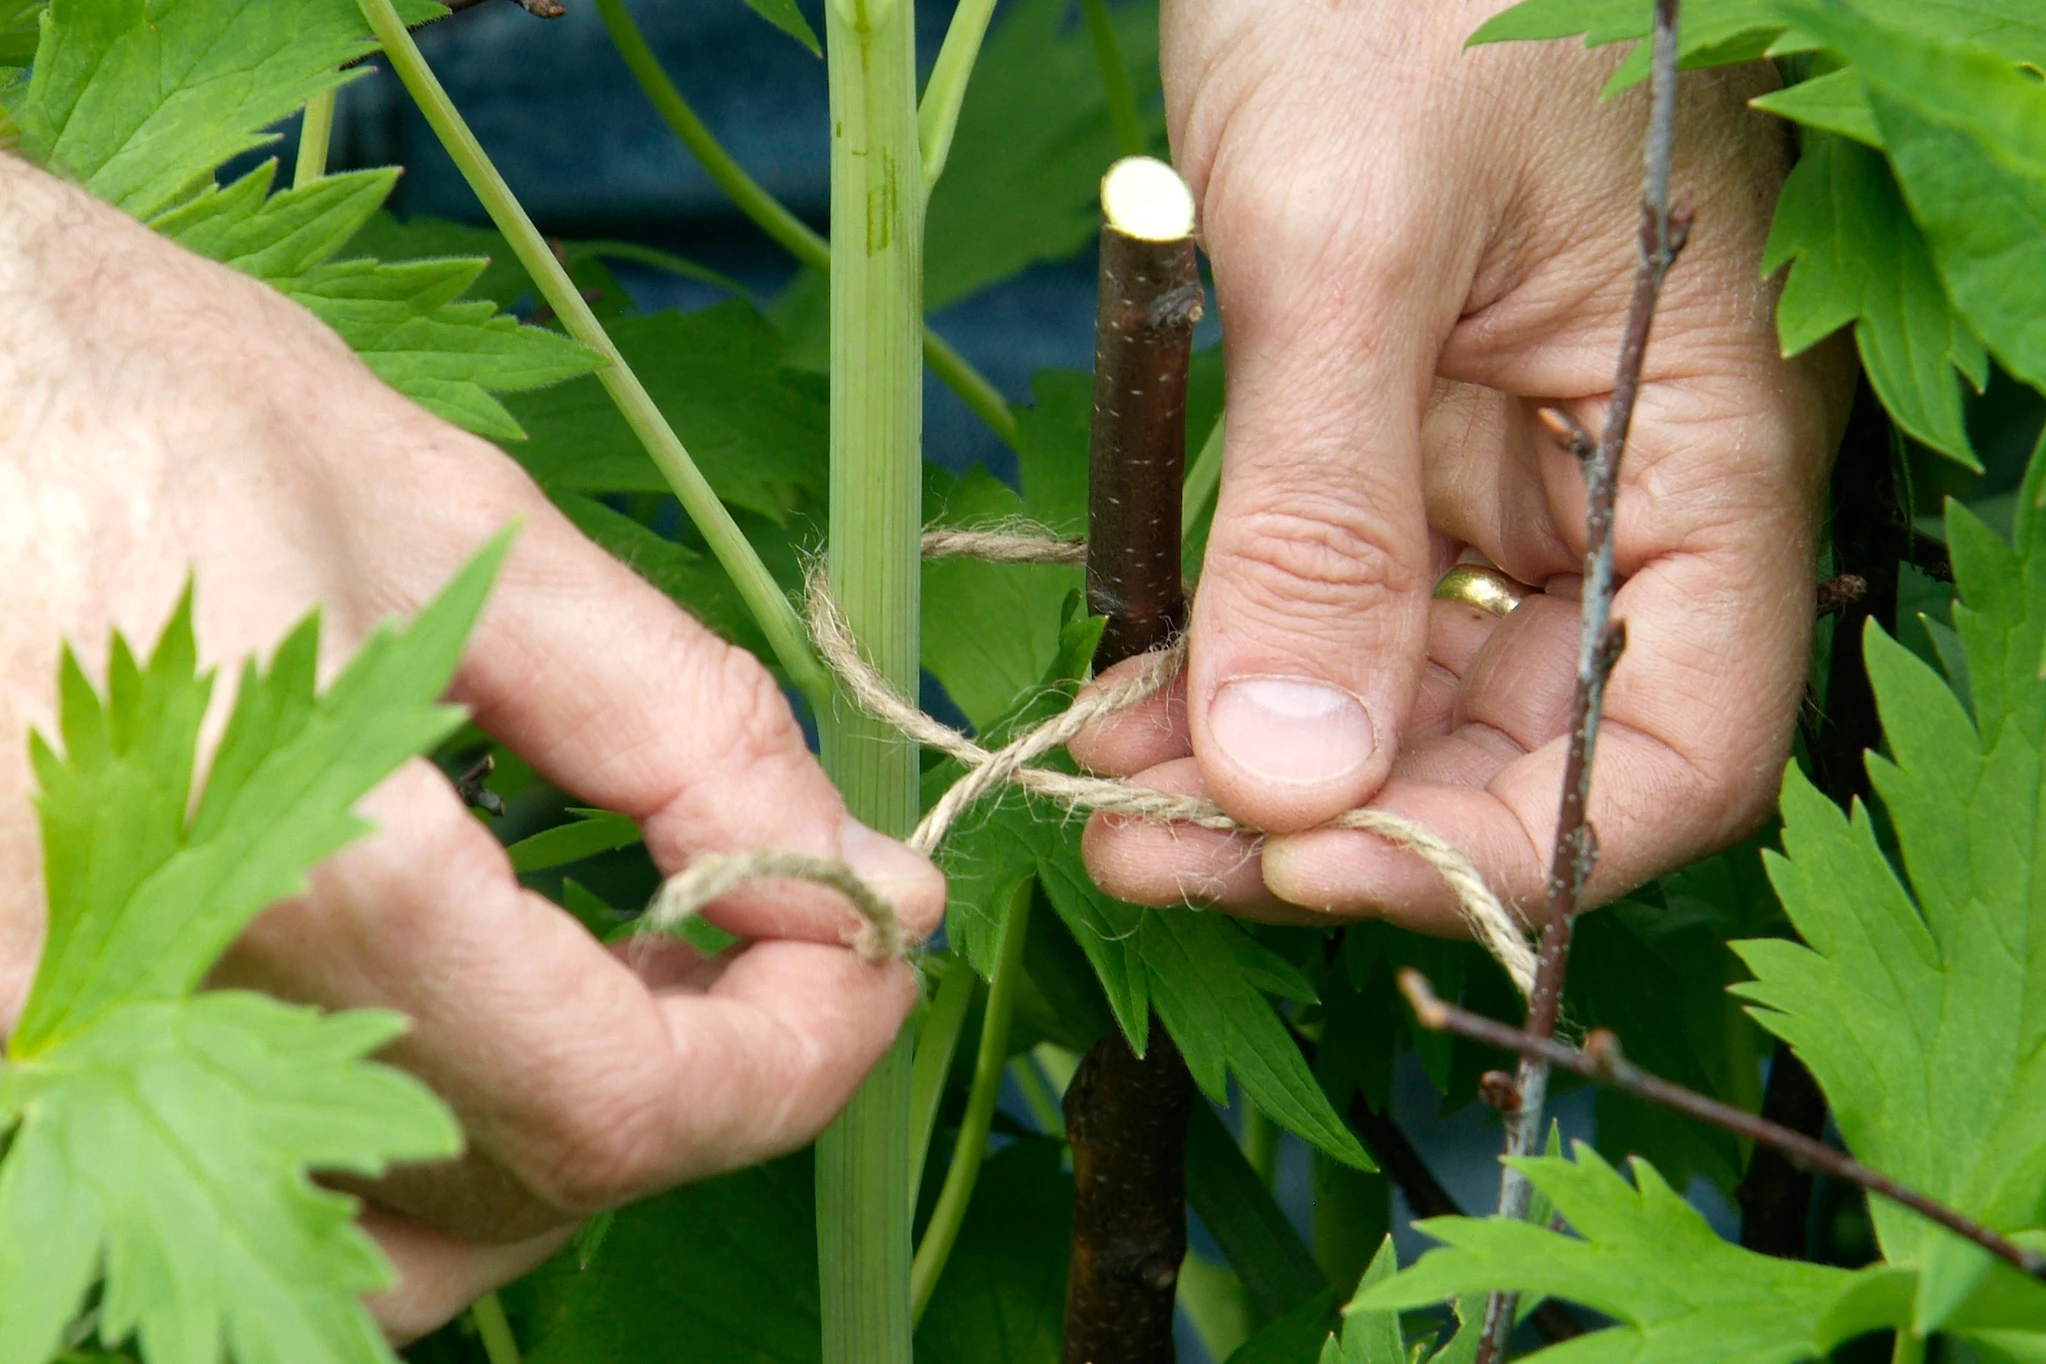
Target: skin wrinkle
(1719, 494)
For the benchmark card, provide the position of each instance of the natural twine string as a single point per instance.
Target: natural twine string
(881, 937)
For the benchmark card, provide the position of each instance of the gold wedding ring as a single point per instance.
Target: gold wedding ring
(1482, 586)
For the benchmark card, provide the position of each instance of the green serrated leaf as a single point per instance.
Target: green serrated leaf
(1022, 182)
(1860, 260)
(1642, 1256)
(737, 1280)
(139, 100)
(20, 26)
(759, 432)
(1205, 983)
(1294, 1338)
(405, 322)
(1966, 133)
(1370, 1337)
(1917, 1004)
(142, 903)
(165, 1141)
(594, 831)
(1002, 1297)
(174, 1138)
(784, 15)
(1722, 32)
(1835, 102)
(276, 236)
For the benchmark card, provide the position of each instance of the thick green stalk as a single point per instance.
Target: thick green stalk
(500, 1346)
(989, 1065)
(771, 216)
(757, 587)
(877, 208)
(315, 134)
(937, 118)
(1115, 80)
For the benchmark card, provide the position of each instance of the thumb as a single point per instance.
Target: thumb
(1309, 630)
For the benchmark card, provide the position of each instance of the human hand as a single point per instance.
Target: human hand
(1416, 247)
(162, 416)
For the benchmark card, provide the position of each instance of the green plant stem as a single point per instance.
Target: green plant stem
(757, 587)
(771, 216)
(863, 1160)
(937, 118)
(315, 135)
(937, 1037)
(1260, 1143)
(500, 1346)
(990, 1063)
(1907, 1348)
(1203, 478)
(1115, 80)
(1037, 1095)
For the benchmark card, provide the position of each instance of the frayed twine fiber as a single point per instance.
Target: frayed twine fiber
(987, 770)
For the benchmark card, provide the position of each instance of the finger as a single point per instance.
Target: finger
(1137, 737)
(616, 695)
(1696, 721)
(438, 1275)
(577, 1087)
(1151, 863)
(1309, 628)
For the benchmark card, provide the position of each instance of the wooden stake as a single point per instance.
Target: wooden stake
(1126, 1116)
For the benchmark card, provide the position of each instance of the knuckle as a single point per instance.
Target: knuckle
(1290, 560)
(755, 725)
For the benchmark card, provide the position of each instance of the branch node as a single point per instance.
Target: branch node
(1496, 1088)
(1569, 431)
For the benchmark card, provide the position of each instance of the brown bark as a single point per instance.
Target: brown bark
(1143, 339)
(1126, 1119)
(1127, 1116)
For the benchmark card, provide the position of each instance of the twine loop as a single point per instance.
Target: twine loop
(881, 937)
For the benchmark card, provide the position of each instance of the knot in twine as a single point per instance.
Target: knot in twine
(881, 937)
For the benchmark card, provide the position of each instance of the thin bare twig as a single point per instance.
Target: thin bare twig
(1600, 641)
(1403, 1162)
(1601, 1060)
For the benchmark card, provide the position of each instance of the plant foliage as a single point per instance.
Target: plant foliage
(162, 1139)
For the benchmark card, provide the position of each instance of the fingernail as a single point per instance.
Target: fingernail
(1286, 730)
(895, 869)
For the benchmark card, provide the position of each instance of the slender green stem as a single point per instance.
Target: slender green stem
(1203, 477)
(757, 587)
(863, 1193)
(315, 134)
(771, 216)
(656, 259)
(937, 118)
(937, 1037)
(959, 375)
(500, 1346)
(791, 233)
(1115, 80)
(1260, 1142)
(1907, 1348)
(989, 1065)
(1037, 1096)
